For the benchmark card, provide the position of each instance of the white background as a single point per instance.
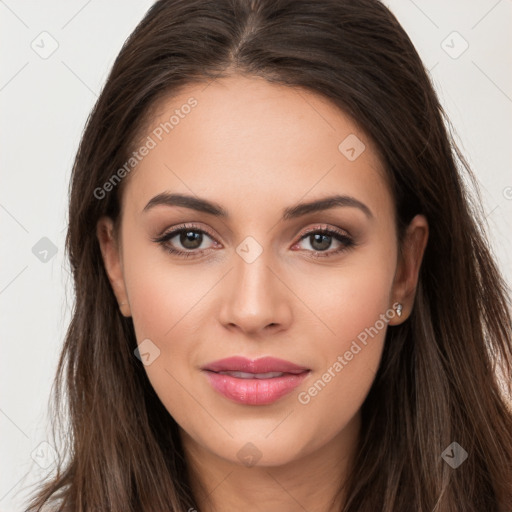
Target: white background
(45, 103)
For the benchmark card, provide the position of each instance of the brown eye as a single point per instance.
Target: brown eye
(320, 240)
(190, 239)
(184, 241)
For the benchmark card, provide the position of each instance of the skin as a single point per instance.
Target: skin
(256, 148)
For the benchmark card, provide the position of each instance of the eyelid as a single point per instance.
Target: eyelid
(326, 227)
(175, 230)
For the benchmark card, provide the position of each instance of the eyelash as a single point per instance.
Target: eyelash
(347, 242)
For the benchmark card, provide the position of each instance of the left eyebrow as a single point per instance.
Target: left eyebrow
(325, 203)
(292, 212)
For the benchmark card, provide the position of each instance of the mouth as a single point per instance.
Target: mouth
(247, 375)
(254, 382)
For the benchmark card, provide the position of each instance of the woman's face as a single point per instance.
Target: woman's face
(260, 280)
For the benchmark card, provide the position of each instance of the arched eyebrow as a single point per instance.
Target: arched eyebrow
(291, 212)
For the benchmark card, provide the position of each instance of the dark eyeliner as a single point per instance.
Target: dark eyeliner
(346, 241)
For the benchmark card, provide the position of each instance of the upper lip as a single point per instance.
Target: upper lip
(262, 365)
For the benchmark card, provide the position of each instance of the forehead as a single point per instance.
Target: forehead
(251, 142)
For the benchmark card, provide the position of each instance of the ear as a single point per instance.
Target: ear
(409, 262)
(112, 260)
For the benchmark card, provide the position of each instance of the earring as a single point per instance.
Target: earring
(399, 309)
(122, 303)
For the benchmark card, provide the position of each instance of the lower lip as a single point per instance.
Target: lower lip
(254, 391)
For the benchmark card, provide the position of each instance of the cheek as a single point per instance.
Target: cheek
(166, 307)
(349, 297)
(168, 304)
(163, 294)
(353, 306)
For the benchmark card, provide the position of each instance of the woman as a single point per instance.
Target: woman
(284, 296)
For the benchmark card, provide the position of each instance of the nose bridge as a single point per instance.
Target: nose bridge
(255, 297)
(253, 278)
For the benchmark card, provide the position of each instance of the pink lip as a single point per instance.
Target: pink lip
(254, 391)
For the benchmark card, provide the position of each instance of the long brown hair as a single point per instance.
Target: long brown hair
(445, 373)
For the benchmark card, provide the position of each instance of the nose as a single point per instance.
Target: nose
(255, 298)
